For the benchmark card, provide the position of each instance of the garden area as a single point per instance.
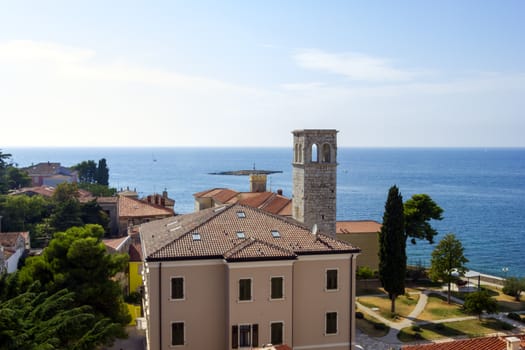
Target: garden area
(465, 328)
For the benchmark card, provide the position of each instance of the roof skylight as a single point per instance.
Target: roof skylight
(241, 214)
(241, 234)
(276, 234)
(196, 236)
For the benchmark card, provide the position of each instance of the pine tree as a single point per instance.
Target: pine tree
(392, 243)
(447, 257)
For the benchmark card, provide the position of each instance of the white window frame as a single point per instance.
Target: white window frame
(183, 334)
(326, 279)
(183, 288)
(283, 335)
(326, 323)
(283, 289)
(239, 290)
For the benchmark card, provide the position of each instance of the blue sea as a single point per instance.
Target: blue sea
(482, 191)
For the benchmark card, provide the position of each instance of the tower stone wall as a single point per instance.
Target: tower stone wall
(315, 178)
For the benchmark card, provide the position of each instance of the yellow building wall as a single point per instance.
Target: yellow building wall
(135, 276)
(369, 244)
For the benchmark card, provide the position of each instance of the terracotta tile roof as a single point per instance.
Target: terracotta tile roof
(217, 228)
(43, 169)
(10, 239)
(278, 205)
(113, 199)
(131, 207)
(219, 195)
(358, 226)
(269, 201)
(254, 249)
(114, 244)
(135, 252)
(254, 199)
(485, 343)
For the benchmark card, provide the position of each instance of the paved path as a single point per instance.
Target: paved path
(391, 342)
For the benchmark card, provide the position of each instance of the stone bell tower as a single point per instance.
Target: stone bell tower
(315, 178)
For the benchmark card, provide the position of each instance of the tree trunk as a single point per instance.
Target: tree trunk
(448, 296)
(393, 304)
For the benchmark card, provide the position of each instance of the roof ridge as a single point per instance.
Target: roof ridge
(249, 241)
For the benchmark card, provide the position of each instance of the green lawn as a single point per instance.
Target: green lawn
(404, 305)
(469, 328)
(437, 308)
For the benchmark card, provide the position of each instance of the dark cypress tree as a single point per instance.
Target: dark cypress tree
(102, 176)
(392, 243)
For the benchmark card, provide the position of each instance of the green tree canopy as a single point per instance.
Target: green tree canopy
(77, 260)
(10, 176)
(22, 213)
(67, 212)
(39, 320)
(514, 286)
(447, 258)
(87, 171)
(480, 301)
(91, 173)
(418, 211)
(392, 243)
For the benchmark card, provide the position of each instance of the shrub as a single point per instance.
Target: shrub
(439, 326)
(380, 326)
(514, 316)
(416, 328)
(514, 287)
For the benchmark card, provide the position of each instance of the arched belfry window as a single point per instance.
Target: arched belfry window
(315, 155)
(326, 153)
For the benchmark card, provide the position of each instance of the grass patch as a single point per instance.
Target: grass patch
(404, 305)
(437, 308)
(470, 328)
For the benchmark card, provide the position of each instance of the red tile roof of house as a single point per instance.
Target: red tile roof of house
(485, 343)
(269, 201)
(135, 252)
(236, 232)
(358, 226)
(131, 207)
(115, 244)
(9, 239)
(43, 169)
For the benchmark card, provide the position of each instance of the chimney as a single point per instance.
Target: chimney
(257, 182)
(165, 194)
(513, 343)
(280, 192)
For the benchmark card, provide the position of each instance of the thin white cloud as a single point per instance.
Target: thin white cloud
(71, 63)
(354, 66)
(27, 50)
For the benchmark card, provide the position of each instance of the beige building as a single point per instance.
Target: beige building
(362, 234)
(238, 277)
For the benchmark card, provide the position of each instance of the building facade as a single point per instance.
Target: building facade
(237, 277)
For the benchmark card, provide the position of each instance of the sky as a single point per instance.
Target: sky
(447, 73)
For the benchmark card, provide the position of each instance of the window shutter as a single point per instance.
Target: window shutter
(235, 337)
(255, 335)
